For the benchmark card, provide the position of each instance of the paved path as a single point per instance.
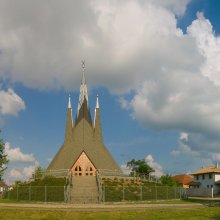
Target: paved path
(87, 207)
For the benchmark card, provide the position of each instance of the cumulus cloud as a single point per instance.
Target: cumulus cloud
(15, 154)
(10, 102)
(198, 146)
(156, 166)
(125, 169)
(42, 43)
(19, 174)
(209, 46)
(128, 46)
(21, 166)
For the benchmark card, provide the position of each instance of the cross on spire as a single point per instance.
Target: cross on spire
(83, 72)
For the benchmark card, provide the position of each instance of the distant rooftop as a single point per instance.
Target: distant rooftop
(183, 178)
(210, 169)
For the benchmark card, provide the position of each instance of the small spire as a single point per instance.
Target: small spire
(69, 102)
(97, 101)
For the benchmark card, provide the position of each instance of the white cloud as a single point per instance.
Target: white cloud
(15, 174)
(15, 154)
(19, 174)
(128, 46)
(184, 136)
(198, 147)
(125, 169)
(21, 166)
(10, 102)
(209, 46)
(178, 7)
(118, 39)
(156, 166)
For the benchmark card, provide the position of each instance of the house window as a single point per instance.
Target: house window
(197, 177)
(203, 176)
(210, 176)
(211, 186)
(207, 186)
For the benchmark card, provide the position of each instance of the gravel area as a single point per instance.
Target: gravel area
(87, 207)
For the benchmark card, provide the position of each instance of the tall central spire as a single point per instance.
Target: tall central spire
(83, 90)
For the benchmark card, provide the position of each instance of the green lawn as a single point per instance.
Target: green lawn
(168, 213)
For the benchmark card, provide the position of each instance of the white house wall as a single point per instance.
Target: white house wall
(208, 181)
(217, 177)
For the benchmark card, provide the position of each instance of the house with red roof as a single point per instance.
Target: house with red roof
(183, 180)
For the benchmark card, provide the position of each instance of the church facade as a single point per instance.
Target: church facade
(83, 151)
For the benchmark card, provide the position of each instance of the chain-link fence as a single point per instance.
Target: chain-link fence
(36, 193)
(109, 193)
(141, 193)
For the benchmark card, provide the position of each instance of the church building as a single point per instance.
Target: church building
(83, 151)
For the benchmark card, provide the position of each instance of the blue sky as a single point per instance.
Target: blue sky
(154, 64)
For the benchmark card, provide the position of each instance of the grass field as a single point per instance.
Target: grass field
(168, 213)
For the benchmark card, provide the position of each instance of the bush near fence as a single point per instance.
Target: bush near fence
(116, 190)
(48, 189)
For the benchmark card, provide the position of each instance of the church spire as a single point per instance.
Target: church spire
(83, 90)
(83, 104)
(97, 122)
(69, 123)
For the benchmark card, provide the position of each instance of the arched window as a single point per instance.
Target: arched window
(90, 168)
(76, 168)
(80, 169)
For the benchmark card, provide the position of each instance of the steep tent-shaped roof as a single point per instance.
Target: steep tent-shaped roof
(83, 136)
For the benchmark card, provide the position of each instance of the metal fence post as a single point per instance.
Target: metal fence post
(123, 193)
(156, 192)
(17, 192)
(45, 193)
(103, 194)
(30, 193)
(64, 193)
(141, 193)
(167, 192)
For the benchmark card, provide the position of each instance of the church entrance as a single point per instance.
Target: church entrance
(83, 166)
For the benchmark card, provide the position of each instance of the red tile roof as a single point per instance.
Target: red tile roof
(183, 178)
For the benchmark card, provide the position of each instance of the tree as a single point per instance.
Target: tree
(3, 158)
(168, 180)
(38, 173)
(139, 167)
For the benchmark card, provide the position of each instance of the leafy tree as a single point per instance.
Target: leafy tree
(38, 173)
(168, 180)
(139, 167)
(3, 158)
